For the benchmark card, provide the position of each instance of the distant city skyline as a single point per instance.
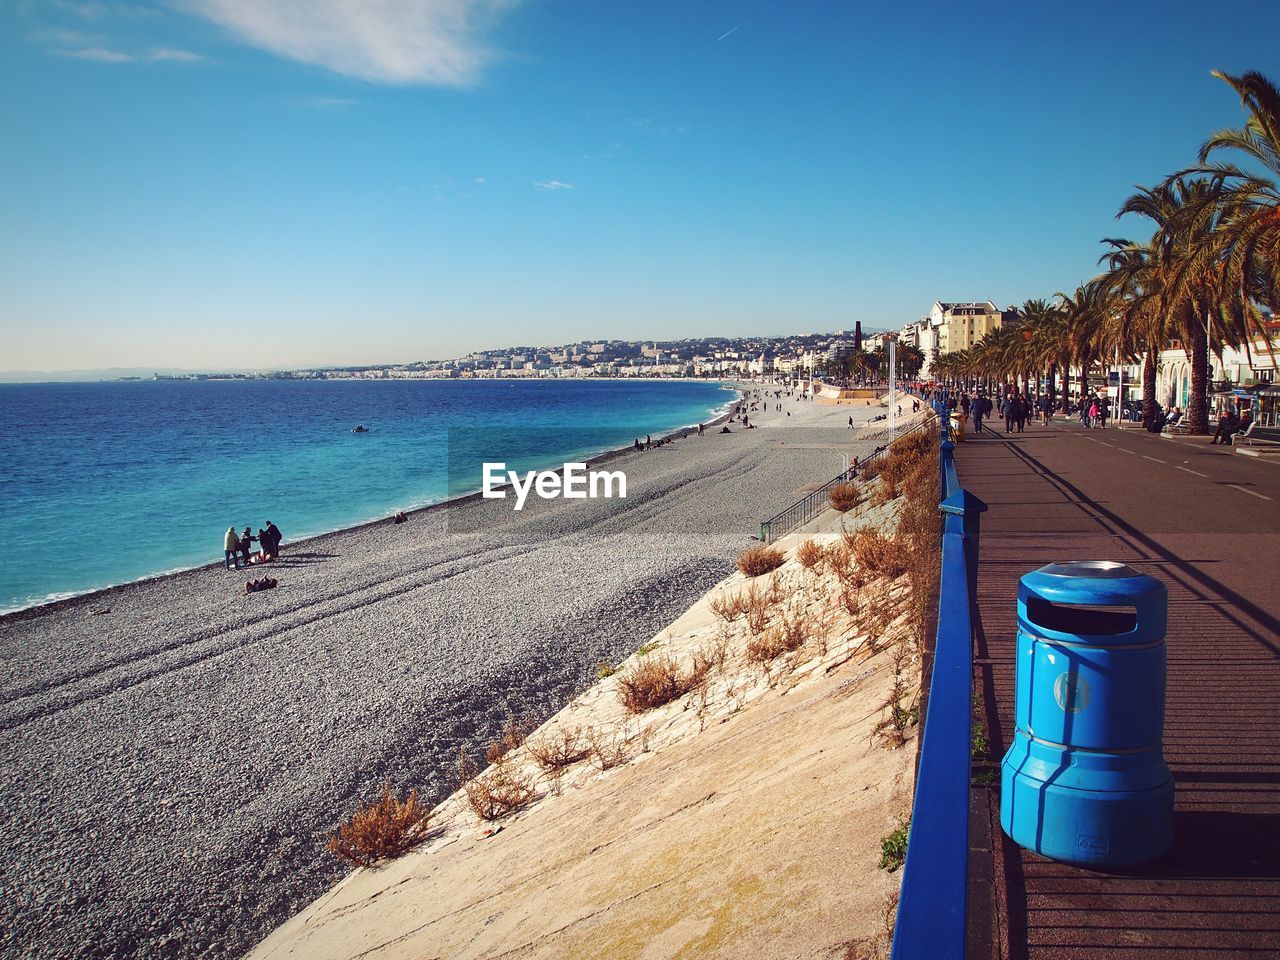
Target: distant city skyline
(237, 185)
(605, 355)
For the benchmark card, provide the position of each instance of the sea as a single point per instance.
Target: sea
(105, 483)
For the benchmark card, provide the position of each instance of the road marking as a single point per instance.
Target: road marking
(1252, 493)
(1189, 470)
(1156, 459)
(1105, 444)
(1123, 450)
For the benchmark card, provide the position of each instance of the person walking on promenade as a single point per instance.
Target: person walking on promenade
(1021, 407)
(979, 410)
(230, 549)
(1104, 411)
(1046, 409)
(964, 405)
(1008, 410)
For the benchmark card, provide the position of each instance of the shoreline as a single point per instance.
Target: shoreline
(60, 601)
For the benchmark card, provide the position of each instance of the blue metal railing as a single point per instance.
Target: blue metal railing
(932, 904)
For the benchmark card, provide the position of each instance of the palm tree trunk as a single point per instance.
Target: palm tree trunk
(1149, 388)
(1198, 404)
(1065, 403)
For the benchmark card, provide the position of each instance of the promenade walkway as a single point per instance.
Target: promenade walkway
(1206, 521)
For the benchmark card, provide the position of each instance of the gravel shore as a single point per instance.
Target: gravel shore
(176, 752)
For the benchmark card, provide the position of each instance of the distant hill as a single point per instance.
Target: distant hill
(106, 373)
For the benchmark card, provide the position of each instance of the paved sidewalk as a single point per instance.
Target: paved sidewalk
(1206, 521)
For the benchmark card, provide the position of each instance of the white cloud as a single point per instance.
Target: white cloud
(435, 42)
(100, 54)
(552, 185)
(87, 11)
(97, 55)
(333, 103)
(177, 56)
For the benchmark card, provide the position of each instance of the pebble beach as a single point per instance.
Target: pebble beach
(177, 751)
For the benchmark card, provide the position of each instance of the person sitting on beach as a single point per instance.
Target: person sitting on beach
(231, 549)
(399, 518)
(725, 430)
(262, 583)
(637, 443)
(265, 555)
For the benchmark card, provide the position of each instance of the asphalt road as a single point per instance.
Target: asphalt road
(1206, 521)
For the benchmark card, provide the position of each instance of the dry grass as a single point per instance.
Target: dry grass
(839, 557)
(559, 748)
(899, 717)
(756, 561)
(657, 681)
(881, 555)
(381, 830)
(850, 599)
(787, 636)
(498, 791)
(920, 526)
(885, 491)
(729, 608)
(712, 654)
(766, 647)
(514, 733)
(606, 750)
(844, 496)
(810, 554)
(757, 604)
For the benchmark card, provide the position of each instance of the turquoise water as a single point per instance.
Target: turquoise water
(103, 483)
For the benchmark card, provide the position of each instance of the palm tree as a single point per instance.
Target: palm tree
(1082, 316)
(1186, 212)
(1249, 228)
(1042, 336)
(1222, 238)
(910, 359)
(1135, 323)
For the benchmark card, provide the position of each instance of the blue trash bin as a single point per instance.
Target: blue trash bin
(1084, 780)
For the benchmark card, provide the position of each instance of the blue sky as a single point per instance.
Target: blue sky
(252, 183)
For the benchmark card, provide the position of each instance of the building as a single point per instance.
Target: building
(951, 326)
(839, 350)
(1248, 375)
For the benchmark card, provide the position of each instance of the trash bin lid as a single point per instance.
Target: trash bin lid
(1090, 569)
(1067, 601)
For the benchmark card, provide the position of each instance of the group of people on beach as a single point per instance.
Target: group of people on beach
(238, 548)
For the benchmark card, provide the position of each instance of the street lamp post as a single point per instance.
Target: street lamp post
(892, 344)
